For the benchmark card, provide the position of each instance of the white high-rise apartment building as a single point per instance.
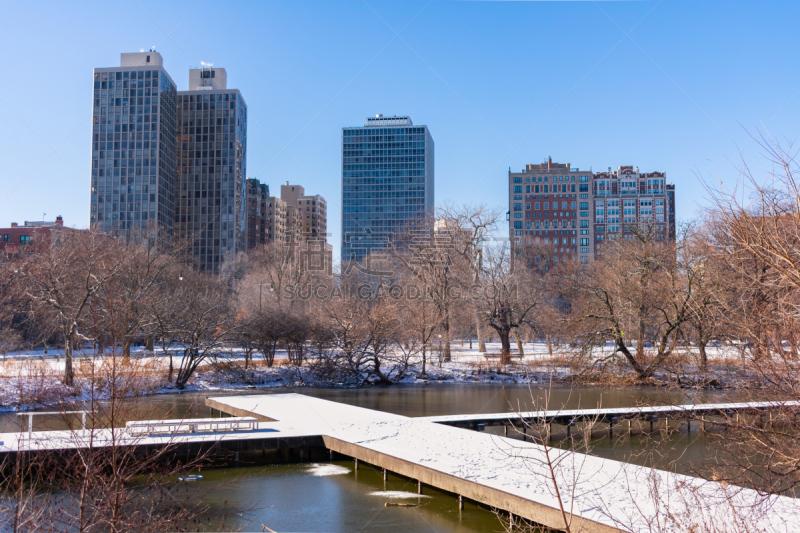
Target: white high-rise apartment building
(133, 145)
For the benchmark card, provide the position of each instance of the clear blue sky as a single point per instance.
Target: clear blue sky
(671, 86)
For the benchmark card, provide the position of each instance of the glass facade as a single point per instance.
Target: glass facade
(387, 182)
(211, 168)
(133, 148)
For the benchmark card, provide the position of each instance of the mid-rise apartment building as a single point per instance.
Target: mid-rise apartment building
(625, 199)
(387, 182)
(133, 145)
(211, 168)
(311, 217)
(276, 211)
(568, 213)
(257, 213)
(549, 208)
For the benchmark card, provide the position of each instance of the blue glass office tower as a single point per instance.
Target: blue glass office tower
(387, 182)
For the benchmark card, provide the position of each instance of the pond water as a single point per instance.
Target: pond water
(332, 496)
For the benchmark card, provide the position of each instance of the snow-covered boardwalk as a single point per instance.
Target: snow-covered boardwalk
(688, 412)
(513, 476)
(507, 474)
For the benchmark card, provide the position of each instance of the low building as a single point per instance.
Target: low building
(16, 238)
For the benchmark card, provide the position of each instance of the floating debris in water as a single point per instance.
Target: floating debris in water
(397, 494)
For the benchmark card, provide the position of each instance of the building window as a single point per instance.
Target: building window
(6, 237)
(26, 239)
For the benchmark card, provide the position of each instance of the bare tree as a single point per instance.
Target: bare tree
(145, 257)
(759, 239)
(204, 321)
(472, 228)
(509, 294)
(61, 279)
(642, 285)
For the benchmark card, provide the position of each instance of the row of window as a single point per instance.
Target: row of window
(23, 239)
(547, 188)
(582, 179)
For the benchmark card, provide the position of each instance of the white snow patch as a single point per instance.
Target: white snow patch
(318, 469)
(397, 494)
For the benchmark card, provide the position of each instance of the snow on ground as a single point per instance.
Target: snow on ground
(31, 378)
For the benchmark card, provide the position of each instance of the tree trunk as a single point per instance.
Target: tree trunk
(519, 343)
(640, 342)
(479, 329)
(149, 343)
(446, 328)
(69, 374)
(171, 369)
(703, 356)
(549, 345)
(185, 370)
(505, 342)
(126, 348)
(637, 366)
(424, 356)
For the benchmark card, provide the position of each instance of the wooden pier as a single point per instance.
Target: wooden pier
(703, 413)
(510, 475)
(506, 474)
